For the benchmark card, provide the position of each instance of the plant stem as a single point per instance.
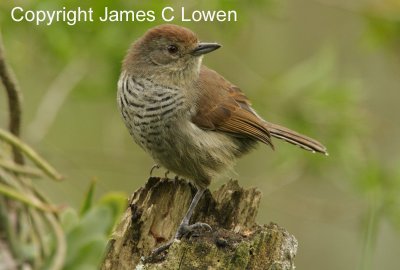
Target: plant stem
(29, 152)
(11, 193)
(370, 234)
(14, 100)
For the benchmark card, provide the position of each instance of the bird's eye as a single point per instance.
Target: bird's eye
(172, 49)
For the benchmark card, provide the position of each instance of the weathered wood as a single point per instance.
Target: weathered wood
(236, 241)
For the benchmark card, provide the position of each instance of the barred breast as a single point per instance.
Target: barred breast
(159, 120)
(149, 110)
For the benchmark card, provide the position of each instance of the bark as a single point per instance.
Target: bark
(236, 241)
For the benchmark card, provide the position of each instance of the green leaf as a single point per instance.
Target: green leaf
(93, 227)
(88, 200)
(69, 219)
(117, 203)
(89, 256)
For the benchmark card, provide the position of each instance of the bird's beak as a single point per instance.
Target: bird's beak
(203, 48)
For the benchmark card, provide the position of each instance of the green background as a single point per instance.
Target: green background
(327, 68)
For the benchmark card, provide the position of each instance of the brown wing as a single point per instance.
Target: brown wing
(223, 107)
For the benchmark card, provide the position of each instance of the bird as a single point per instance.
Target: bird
(190, 119)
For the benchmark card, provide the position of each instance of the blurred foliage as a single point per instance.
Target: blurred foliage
(64, 43)
(383, 19)
(302, 64)
(31, 236)
(87, 234)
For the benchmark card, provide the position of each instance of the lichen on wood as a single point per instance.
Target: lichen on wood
(236, 241)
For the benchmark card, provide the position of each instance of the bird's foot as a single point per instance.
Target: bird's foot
(193, 229)
(166, 174)
(158, 251)
(183, 230)
(155, 166)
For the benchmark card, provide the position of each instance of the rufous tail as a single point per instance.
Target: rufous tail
(295, 138)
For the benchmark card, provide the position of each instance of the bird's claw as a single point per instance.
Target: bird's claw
(182, 231)
(186, 229)
(155, 254)
(155, 166)
(161, 249)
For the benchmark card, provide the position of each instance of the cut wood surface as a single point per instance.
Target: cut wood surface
(236, 241)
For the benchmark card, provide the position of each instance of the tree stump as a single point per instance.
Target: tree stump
(236, 241)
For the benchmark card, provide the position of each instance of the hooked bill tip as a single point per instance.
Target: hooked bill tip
(203, 48)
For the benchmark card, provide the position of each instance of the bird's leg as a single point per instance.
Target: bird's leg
(184, 227)
(155, 166)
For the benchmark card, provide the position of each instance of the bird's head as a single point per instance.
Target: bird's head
(167, 49)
